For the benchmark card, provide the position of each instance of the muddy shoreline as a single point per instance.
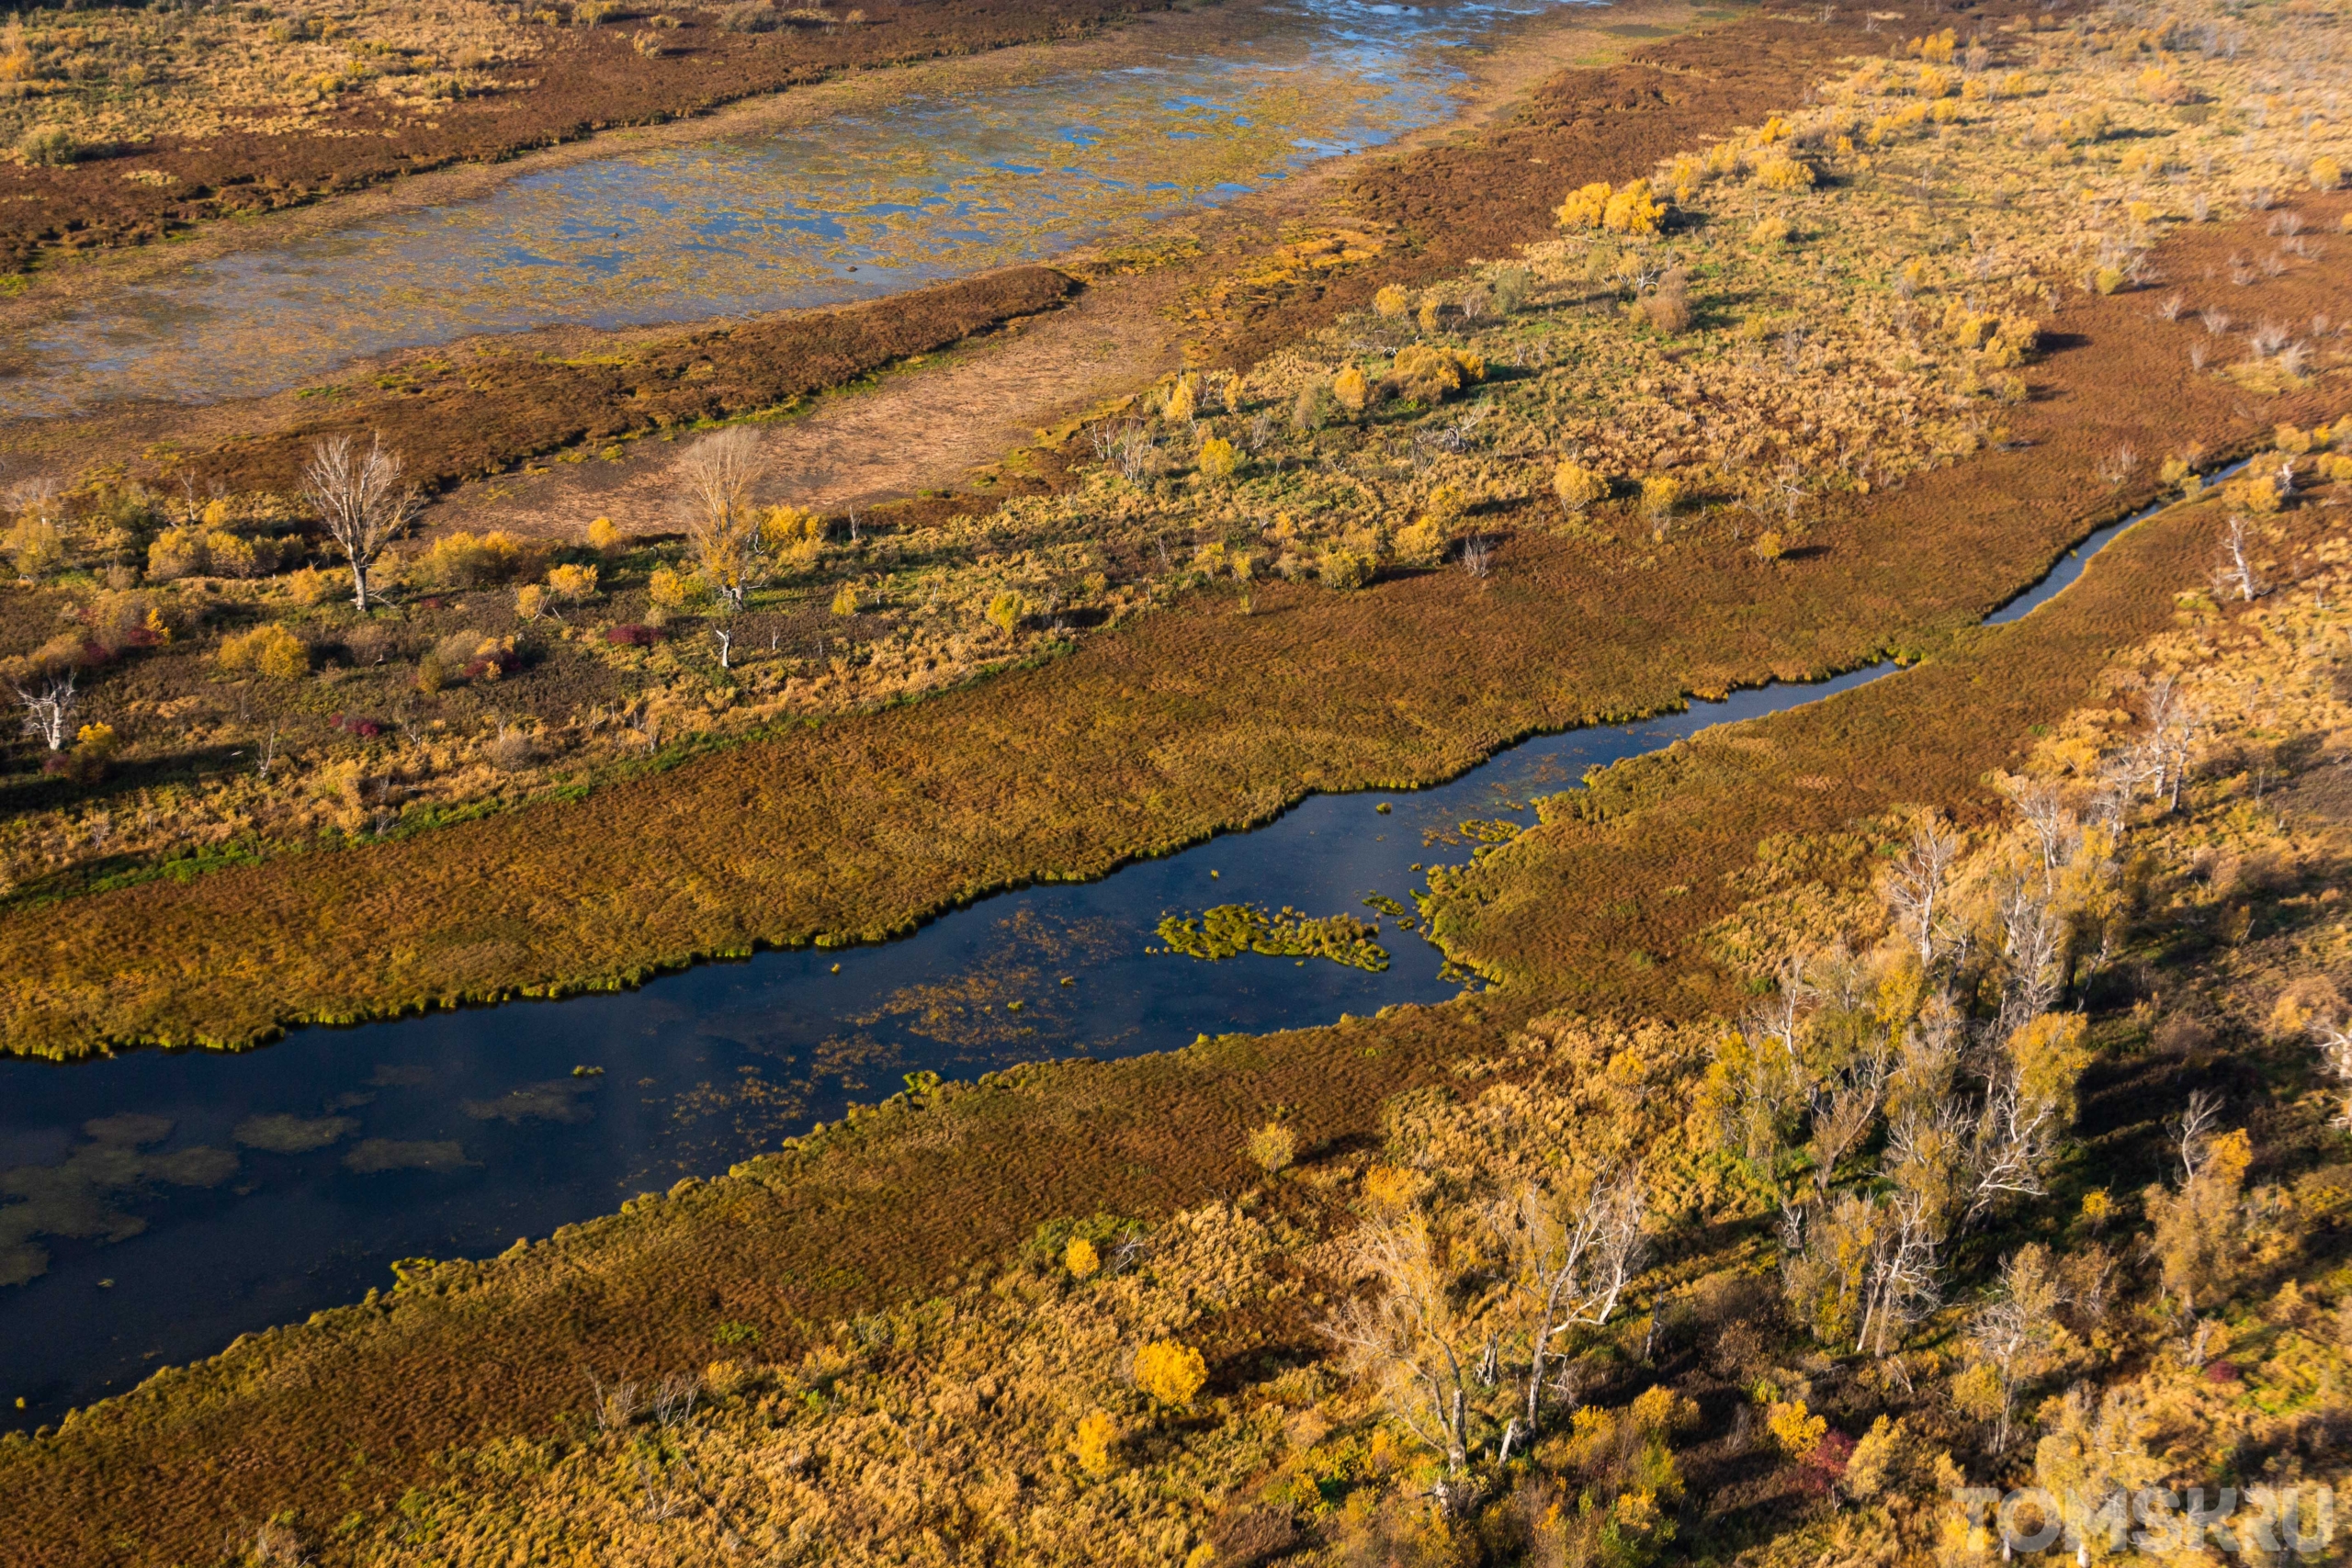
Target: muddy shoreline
(584, 81)
(1420, 200)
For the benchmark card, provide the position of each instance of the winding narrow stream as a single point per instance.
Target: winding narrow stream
(163, 1202)
(909, 189)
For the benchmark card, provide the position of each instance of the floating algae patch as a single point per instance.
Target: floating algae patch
(557, 1099)
(1230, 930)
(374, 1156)
(79, 1197)
(283, 1135)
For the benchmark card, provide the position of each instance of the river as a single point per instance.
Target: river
(156, 1205)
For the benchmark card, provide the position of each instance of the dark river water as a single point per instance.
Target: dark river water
(156, 1205)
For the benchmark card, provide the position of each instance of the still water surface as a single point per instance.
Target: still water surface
(917, 189)
(172, 1200)
(156, 1205)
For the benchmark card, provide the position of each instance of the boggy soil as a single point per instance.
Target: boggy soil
(1483, 194)
(487, 406)
(338, 1417)
(582, 81)
(453, 421)
(1140, 740)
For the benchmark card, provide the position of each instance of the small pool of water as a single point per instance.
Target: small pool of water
(921, 188)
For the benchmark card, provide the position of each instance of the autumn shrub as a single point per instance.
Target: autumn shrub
(475, 656)
(49, 146)
(672, 589)
(1392, 301)
(1667, 307)
(1312, 408)
(1271, 1147)
(1661, 494)
(2259, 495)
(1182, 401)
(1352, 388)
(1584, 207)
(1635, 210)
(177, 553)
(1216, 459)
(1081, 1258)
(1170, 1372)
(1796, 1432)
(1095, 1443)
(2325, 173)
(311, 586)
(1782, 173)
(573, 584)
(1345, 569)
(268, 649)
(1007, 611)
(846, 602)
(1506, 288)
(1429, 375)
(37, 546)
(530, 602)
(1578, 487)
(1770, 232)
(466, 561)
(603, 536)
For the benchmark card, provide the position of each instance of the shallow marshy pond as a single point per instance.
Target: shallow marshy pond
(899, 188)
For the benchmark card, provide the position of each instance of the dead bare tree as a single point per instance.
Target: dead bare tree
(673, 1398)
(2032, 943)
(1899, 1285)
(2192, 1132)
(1917, 888)
(2336, 1059)
(2012, 1332)
(361, 502)
(1576, 1246)
(717, 474)
(2056, 830)
(2016, 1139)
(1409, 1336)
(1477, 556)
(2236, 573)
(50, 709)
(614, 1404)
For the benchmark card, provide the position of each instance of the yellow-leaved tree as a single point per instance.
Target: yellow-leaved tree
(1170, 1372)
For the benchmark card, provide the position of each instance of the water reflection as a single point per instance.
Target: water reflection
(929, 188)
(165, 1203)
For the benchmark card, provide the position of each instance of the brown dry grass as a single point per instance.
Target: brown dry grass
(341, 1415)
(796, 840)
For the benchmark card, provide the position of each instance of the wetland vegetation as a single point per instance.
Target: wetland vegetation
(1933, 1088)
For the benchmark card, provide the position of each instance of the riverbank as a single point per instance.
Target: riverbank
(483, 88)
(1407, 684)
(339, 1417)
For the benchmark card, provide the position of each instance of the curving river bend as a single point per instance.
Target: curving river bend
(163, 1202)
